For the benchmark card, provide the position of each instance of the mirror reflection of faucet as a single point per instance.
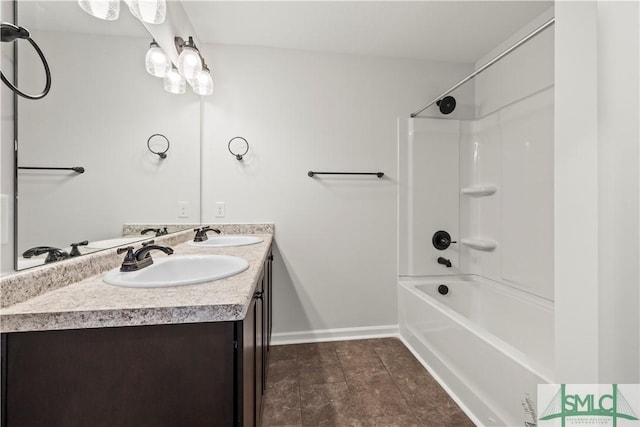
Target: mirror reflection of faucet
(53, 254)
(74, 248)
(158, 231)
(444, 262)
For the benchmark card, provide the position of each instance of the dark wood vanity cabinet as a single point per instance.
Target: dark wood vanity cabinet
(198, 374)
(255, 339)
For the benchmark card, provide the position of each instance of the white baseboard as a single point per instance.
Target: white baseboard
(339, 334)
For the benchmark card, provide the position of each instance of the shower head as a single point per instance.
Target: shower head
(446, 104)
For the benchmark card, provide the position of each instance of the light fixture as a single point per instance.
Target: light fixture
(156, 60)
(203, 82)
(189, 59)
(108, 10)
(174, 82)
(149, 11)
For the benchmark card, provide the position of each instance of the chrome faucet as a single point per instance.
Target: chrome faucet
(201, 233)
(134, 261)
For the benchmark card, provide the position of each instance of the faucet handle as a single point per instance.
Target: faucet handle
(74, 248)
(127, 249)
(201, 234)
(148, 242)
(441, 240)
(129, 259)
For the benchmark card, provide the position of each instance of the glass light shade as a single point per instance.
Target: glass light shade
(189, 63)
(156, 61)
(149, 11)
(203, 83)
(108, 10)
(174, 82)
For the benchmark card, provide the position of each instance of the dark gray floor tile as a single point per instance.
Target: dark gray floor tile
(315, 371)
(325, 351)
(282, 370)
(282, 405)
(282, 352)
(375, 382)
(368, 364)
(377, 395)
(329, 405)
(396, 421)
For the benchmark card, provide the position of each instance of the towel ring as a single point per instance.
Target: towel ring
(239, 155)
(162, 154)
(9, 33)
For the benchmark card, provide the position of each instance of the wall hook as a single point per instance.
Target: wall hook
(246, 149)
(159, 139)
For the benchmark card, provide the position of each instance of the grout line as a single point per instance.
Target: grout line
(298, 387)
(398, 388)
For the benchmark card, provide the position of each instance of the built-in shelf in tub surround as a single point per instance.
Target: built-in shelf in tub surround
(479, 244)
(479, 190)
(88, 302)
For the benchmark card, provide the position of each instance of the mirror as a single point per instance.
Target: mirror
(102, 109)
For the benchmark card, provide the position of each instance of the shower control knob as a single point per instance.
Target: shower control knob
(441, 240)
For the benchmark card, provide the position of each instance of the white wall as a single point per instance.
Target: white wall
(123, 182)
(6, 149)
(597, 192)
(618, 190)
(301, 111)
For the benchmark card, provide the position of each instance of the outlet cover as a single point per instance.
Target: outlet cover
(220, 210)
(183, 209)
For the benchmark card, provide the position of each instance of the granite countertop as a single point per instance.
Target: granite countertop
(91, 303)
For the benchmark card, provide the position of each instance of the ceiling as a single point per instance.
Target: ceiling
(452, 31)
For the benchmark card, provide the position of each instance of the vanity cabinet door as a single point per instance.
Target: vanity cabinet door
(251, 359)
(247, 369)
(165, 375)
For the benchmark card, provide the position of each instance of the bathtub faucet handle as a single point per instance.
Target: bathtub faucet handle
(441, 240)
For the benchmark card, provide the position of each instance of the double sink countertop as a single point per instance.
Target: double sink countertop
(91, 303)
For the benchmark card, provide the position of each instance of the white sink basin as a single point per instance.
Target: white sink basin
(231, 240)
(178, 270)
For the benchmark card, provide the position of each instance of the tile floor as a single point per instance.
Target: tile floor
(375, 382)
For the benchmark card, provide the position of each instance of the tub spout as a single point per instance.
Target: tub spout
(444, 261)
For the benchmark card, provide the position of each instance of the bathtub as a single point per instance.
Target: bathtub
(488, 344)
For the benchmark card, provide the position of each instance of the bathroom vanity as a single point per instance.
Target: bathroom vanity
(94, 354)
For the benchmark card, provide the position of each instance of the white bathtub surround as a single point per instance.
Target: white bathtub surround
(487, 363)
(510, 150)
(431, 195)
(495, 341)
